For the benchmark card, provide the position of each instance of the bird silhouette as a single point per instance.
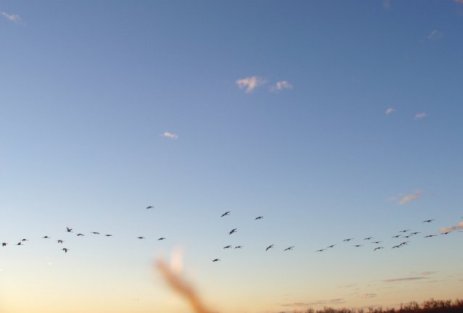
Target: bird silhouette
(60, 241)
(396, 236)
(45, 237)
(320, 250)
(65, 250)
(269, 247)
(259, 218)
(289, 248)
(108, 235)
(225, 214)
(428, 221)
(141, 237)
(149, 207)
(232, 231)
(238, 247)
(80, 235)
(429, 236)
(330, 246)
(396, 246)
(378, 248)
(215, 260)
(376, 242)
(348, 239)
(367, 238)
(404, 231)
(19, 243)
(162, 238)
(95, 233)
(4, 244)
(68, 229)
(357, 246)
(227, 247)
(24, 239)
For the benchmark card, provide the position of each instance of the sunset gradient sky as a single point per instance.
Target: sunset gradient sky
(332, 119)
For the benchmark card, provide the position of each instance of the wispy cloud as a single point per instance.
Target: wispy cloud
(389, 111)
(169, 135)
(315, 303)
(404, 199)
(281, 85)
(449, 229)
(420, 115)
(249, 84)
(11, 17)
(435, 34)
(404, 279)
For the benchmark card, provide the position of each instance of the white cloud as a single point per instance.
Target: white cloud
(420, 115)
(409, 197)
(434, 35)
(250, 83)
(11, 17)
(281, 85)
(169, 135)
(389, 111)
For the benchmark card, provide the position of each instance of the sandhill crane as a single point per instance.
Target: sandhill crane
(225, 214)
(215, 260)
(149, 207)
(227, 247)
(108, 235)
(330, 246)
(348, 239)
(141, 237)
(232, 231)
(376, 242)
(65, 250)
(378, 248)
(320, 250)
(68, 229)
(289, 248)
(95, 233)
(259, 217)
(45, 237)
(4, 244)
(60, 241)
(269, 247)
(357, 246)
(80, 235)
(162, 238)
(238, 247)
(368, 238)
(428, 221)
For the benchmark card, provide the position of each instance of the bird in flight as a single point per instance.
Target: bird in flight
(357, 246)
(227, 247)
(330, 246)
(108, 235)
(396, 236)
(4, 244)
(24, 239)
(289, 248)
(396, 246)
(348, 239)
(367, 238)
(429, 236)
(378, 248)
(162, 238)
(404, 230)
(65, 250)
(259, 217)
(216, 260)
(238, 247)
(320, 250)
(80, 234)
(225, 214)
(19, 243)
(269, 247)
(149, 207)
(376, 242)
(428, 221)
(60, 241)
(232, 231)
(68, 229)
(141, 237)
(95, 233)
(45, 237)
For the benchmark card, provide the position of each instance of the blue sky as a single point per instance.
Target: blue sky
(332, 119)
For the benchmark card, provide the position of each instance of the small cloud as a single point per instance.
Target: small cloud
(389, 111)
(169, 135)
(434, 35)
(387, 4)
(403, 279)
(281, 85)
(420, 115)
(409, 197)
(11, 17)
(450, 229)
(250, 83)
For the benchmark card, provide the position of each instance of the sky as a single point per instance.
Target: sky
(331, 119)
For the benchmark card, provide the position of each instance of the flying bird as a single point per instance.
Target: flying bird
(108, 235)
(320, 250)
(80, 234)
(396, 236)
(216, 260)
(24, 239)
(238, 247)
(289, 248)
(330, 246)
(232, 231)
(404, 231)
(376, 242)
(95, 233)
(269, 247)
(19, 243)
(378, 248)
(149, 207)
(68, 229)
(161, 238)
(65, 250)
(60, 241)
(259, 218)
(225, 214)
(348, 239)
(357, 246)
(429, 236)
(227, 247)
(45, 237)
(428, 221)
(4, 244)
(367, 238)
(141, 237)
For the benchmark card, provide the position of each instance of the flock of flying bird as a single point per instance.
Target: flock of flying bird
(402, 236)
